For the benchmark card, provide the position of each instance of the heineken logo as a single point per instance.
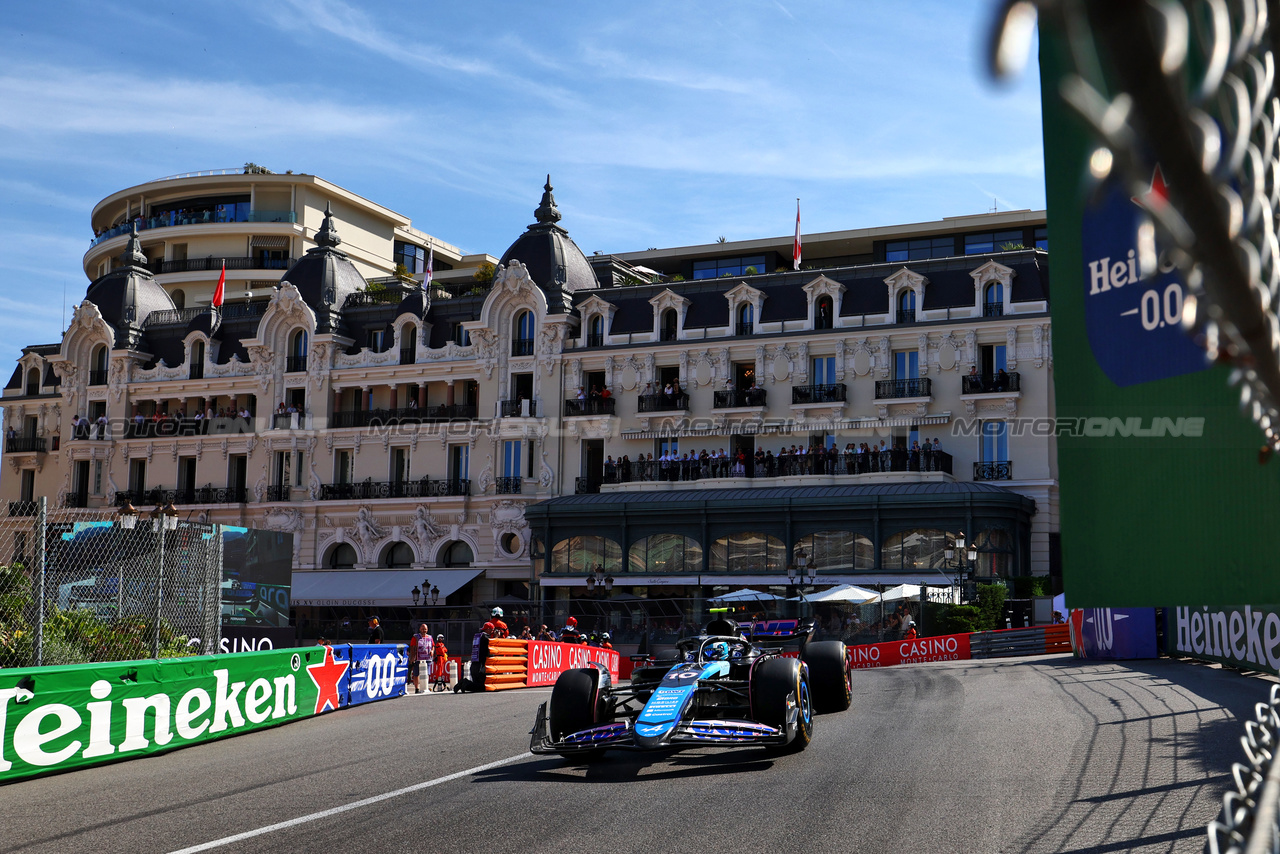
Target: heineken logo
(73, 716)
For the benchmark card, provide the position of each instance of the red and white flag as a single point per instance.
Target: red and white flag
(795, 252)
(431, 260)
(222, 281)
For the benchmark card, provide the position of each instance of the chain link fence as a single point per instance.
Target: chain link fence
(80, 586)
(1250, 821)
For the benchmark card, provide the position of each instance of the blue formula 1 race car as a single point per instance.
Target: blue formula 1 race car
(725, 687)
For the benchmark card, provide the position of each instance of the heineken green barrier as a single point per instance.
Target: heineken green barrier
(59, 718)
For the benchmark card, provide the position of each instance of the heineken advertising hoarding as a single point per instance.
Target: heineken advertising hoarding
(1163, 500)
(1247, 636)
(60, 718)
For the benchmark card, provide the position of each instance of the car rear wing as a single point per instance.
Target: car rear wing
(777, 633)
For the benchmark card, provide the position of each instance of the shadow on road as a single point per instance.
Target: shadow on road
(622, 766)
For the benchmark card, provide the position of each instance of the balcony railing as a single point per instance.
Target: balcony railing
(295, 364)
(993, 309)
(23, 508)
(507, 485)
(369, 489)
(745, 328)
(25, 445)
(233, 213)
(888, 389)
(906, 315)
(78, 500)
(595, 340)
(191, 495)
(170, 427)
(382, 296)
(663, 402)
(408, 355)
(830, 393)
(97, 378)
(195, 371)
(286, 420)
(189, 265)
(183, 316)
(407, 415)
(993, 470)
(590, 406)
(984, 383)
(278, 492)
(522, 347)
(516, 408)
(667, 334)
(586, 485)
(767, 465)
(739, 398)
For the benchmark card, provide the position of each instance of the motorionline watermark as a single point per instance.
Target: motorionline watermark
(1094, 427)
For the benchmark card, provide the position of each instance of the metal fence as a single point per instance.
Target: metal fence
(78, 586)
(1250, 820)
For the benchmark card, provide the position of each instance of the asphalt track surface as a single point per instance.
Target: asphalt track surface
(1034, 754)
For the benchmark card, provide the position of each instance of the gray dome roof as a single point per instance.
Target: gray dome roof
(554, 261)
(128, 294)
(325, 276)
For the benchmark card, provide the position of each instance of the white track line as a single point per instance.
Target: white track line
(315, 816)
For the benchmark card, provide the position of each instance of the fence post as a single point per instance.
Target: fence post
(42, 521)
(213, 596)
(155, 627)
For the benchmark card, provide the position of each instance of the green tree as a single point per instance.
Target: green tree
(484, 273)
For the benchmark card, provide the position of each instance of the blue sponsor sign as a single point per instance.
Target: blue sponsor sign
(1134, 324)
(1113, 633)
(377, 671)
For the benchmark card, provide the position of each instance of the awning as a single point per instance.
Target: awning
(629, 580)
(270, 241)
(376, 588)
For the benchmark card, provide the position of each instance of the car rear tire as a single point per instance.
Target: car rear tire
(774, 681)
(829, 674)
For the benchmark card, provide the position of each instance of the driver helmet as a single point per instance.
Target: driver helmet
(718, 651)
(497, 612)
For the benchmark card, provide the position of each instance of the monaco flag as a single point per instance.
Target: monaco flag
(222, 281)
(795, 252)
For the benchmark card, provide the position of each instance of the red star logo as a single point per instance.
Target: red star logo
(327, 675)
(1158, 195)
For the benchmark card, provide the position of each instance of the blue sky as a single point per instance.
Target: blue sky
(662, 124)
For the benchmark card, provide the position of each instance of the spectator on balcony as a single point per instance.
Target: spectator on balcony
(605, 394)
(1002, 381)
(280, 409)
(595, 392)
(102, 426)
(610, 471)
(755, 395)
(624, 469)
(975, 379)
(728, 384)
(668, 391)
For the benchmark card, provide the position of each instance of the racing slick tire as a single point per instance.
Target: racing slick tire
(774, 680)
(829, 675)
(576, 705)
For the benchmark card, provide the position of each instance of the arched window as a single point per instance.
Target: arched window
(664, 553)
(746, 318)
(923, 548)
(823, 314)
(98, 365)
(397, 556)
(993, 300)
(995, 553)
(669, 323)
(196, 368)
(179, 298)
(522, 334)
(408, 344)
(456, 554)
(343, 556)
(584, 554)
(595, 332)
(297, 360)
(837, 550)
(33, 381)
(748, 552)
(907, 306)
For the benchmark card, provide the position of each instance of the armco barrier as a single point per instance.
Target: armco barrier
(1041, 640)
(528, 664)
(1007, 643)
(61, 718)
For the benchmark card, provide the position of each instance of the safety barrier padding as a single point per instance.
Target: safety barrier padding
(526, 664)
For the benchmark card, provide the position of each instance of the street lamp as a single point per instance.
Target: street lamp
(416, 594)
(435, 595)
(128, 516)
(960, 559)
(163, 520)
(598, 580)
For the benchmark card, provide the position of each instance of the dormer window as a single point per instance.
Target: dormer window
(907, 306)
(33, 381)
(670, 323)
(824, 313)
(522, 335)
(746, 319)
(98, 365)
(993, 300)
(595, 332)
(195, 370)
(297, 357)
